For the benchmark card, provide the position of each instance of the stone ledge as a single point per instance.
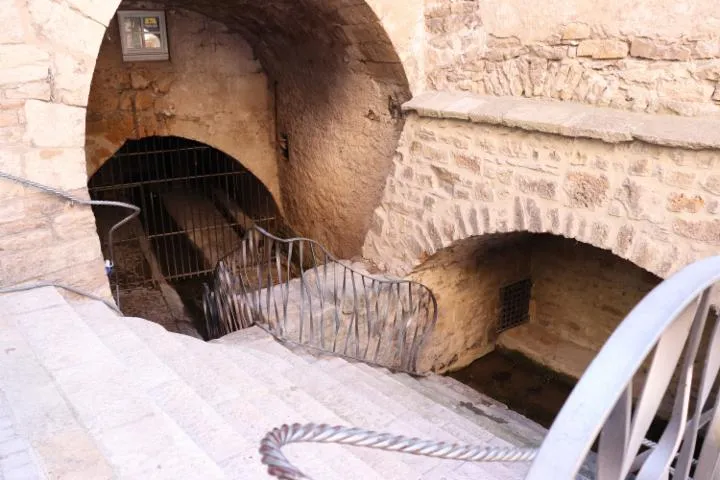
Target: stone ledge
(570, 119)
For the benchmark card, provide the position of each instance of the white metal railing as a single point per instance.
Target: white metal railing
(664, 332)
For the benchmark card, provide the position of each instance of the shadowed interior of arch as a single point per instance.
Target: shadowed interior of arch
(301, 91)
(197, 203)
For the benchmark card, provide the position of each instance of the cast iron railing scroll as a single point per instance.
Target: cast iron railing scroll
(296, 290)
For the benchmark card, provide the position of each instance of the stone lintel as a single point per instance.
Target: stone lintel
(570, 119)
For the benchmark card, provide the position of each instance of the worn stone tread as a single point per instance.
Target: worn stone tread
(139, 401)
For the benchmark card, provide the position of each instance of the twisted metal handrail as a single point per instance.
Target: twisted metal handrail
(135, 211)
(672, 319)
(300, 293)
(280, 467)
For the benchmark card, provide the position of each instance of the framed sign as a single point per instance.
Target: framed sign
(143, 35)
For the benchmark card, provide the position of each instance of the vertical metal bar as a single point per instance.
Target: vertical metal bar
(367, 315)
(196, 223)
(285, 300)
(302, 290)
(356, 314)
(614, 437)
(320, 293)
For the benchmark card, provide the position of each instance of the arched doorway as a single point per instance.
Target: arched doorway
(196, 203)
(307, 93)
(521, 315)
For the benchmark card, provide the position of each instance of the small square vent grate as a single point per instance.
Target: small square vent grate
(514, 304)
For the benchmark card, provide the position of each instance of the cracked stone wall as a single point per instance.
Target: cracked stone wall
(213, 90)
(652, 56)
(654, 206)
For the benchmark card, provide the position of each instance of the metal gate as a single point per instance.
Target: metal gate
(196, 205)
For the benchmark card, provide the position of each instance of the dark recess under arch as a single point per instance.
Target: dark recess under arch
(197, 203)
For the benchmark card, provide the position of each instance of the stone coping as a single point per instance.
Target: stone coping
(570, 119)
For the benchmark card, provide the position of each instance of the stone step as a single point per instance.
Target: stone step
(289, 404)
(235, 455)
(242, 398)
(517, 431)
(453, 389)
(70, 389)
(442, 423)
(18, 460)
(348, 407)
(131, 397)
(349, 391)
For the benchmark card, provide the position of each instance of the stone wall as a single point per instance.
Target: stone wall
(47, 54)
(580, 295)
(342, 137)
(653, 205)
(652, 56)
(213, 90)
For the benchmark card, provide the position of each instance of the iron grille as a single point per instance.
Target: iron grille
(514, 304)
(197, 203)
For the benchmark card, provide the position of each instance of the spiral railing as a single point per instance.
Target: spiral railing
(661, 362)
(297, 291)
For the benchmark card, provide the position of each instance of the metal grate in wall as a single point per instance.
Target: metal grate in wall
(514, 304)
(196, 203)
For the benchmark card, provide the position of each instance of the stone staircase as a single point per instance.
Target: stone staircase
(85, 394)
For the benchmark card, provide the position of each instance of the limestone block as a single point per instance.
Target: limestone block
(681, 203)
(10, 19)
(22, 63)
(43, 120)
(12, 210)
(38, 90)
(541, 187)
(706, 49)
(709, 71)
(575, 31)
(651, 49)
(12, 56)
(26, 73)
(603, 49)
(72, 76)
(585, 190)
(62, 25)
(63, 168)
(11, 161)
(138, 81)
(48, 258)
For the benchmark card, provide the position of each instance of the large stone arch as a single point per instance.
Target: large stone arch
(214, 91)
(650, 204)
(335, 83)
(575, 296)
(51, 50)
